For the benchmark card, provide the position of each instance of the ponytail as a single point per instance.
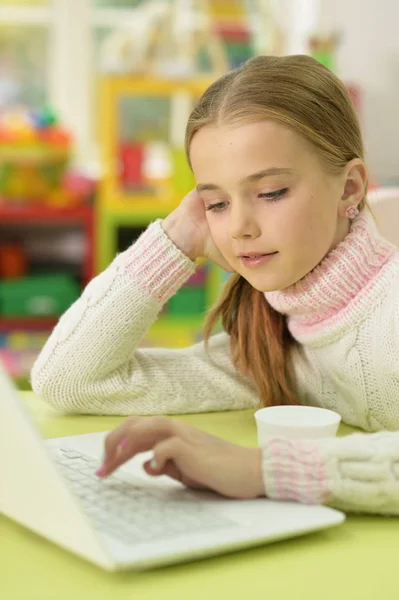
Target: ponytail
(260, 341)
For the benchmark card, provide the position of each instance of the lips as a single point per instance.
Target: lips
(257, 260)
(255, 254)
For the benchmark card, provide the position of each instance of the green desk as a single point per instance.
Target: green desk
(357, 560)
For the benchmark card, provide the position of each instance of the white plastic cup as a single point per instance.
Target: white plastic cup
(296, 422)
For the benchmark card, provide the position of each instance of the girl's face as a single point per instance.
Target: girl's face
(265, 192)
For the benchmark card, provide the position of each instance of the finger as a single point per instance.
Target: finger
(169, 469)
(119, 437)
(184, 458)
(115, 437)
(142, 435)
(176, 451)
(169, 449)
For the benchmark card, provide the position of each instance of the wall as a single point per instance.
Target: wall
(369, 55)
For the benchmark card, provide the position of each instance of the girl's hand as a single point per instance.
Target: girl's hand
(193, 457)
(188, 228)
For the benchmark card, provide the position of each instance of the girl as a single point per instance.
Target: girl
(310, 313)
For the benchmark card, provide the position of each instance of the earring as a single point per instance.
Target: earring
(351, 212)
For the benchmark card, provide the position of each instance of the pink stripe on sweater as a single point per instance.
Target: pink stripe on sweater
(157, 264)
(297, 471)
(342, 277)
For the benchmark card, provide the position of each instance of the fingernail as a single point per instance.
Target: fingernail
(154, 464)
(100, 471)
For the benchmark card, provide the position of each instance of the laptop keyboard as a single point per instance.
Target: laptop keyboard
(122, 508)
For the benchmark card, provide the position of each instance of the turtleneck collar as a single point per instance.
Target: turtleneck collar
(337, 280)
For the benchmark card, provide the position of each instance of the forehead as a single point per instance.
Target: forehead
(216, 151)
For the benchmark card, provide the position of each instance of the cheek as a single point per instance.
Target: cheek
(219, 232)
(311, 229)
(307, 227)
(295, 223)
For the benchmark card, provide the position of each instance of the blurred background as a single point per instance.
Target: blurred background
(94, 97)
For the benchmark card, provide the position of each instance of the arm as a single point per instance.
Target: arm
(91, 363)
(359, 472)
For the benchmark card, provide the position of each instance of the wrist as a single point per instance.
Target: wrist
(179, 236)
(295, 470)
(256, 459)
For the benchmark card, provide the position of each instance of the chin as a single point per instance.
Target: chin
(267, 284)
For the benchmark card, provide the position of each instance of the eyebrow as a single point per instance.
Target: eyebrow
(253, 178)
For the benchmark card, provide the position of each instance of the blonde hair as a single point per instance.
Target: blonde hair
(302, 94)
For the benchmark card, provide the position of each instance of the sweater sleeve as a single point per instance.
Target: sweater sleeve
(359, 472)
(91, 362)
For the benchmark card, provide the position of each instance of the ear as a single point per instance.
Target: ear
(354, 185)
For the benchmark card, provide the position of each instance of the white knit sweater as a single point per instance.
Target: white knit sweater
(345, 316)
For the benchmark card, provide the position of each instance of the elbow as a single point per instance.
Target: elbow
(57, 390)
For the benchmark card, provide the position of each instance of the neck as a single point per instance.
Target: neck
(338, 280)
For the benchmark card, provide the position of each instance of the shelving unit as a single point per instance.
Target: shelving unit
(22, 336)
(46, 215)
(132, 207)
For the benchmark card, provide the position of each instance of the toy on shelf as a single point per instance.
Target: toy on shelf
(19, 350)
(142, 125)
(13, 260)
(30, 307)
(191, 299)
(34, 154)
(323, 48)
(150, 132)
(231, 24)
(38, 296)
(179, 39)
(166, 39)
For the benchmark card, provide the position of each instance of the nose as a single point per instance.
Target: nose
(243, 223)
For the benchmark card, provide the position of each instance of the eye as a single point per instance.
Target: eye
(217, 207)
(273, 196)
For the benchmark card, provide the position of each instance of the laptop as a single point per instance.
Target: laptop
(129, 520)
